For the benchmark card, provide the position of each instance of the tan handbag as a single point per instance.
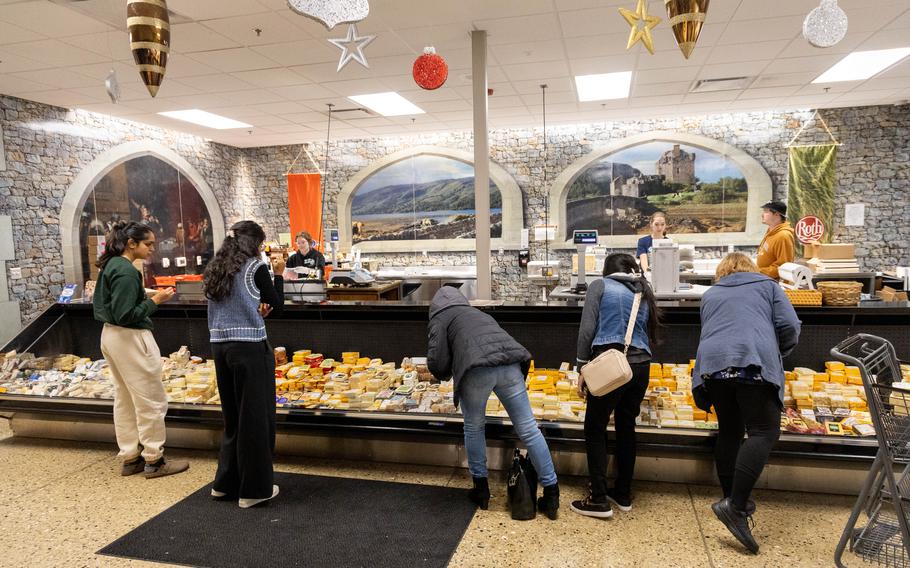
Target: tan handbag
(610, 370)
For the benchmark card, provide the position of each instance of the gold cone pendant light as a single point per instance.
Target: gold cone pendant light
(686, 18)
(150, 39)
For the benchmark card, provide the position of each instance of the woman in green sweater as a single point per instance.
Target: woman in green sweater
(129, 347)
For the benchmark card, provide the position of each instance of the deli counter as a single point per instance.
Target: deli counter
(403, 403)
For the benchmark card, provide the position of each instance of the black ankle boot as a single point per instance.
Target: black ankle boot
(480, 493)
(549, 503)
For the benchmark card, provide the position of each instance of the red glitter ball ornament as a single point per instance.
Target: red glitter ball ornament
(430, 70)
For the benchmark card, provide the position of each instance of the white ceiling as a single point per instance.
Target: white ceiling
(59, 52)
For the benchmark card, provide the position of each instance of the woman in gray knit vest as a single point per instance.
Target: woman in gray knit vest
(241, 293)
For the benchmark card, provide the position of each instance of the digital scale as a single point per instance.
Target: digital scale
(583, 239)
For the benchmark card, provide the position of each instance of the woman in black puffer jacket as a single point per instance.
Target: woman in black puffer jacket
(482, 358)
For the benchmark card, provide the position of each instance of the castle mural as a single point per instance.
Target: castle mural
(700, 190)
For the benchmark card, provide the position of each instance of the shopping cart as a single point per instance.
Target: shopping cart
(885, 496)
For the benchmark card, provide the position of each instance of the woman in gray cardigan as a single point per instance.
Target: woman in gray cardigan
(747, 326)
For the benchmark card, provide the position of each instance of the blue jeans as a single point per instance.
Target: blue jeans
(509, 385)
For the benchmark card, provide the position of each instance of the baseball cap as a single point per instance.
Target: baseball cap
(777, 207)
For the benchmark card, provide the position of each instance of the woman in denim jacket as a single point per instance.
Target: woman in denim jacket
(608, 306)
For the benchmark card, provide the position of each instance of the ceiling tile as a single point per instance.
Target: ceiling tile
(514, 53)
(10, 33)
(217, 83)
(529, 71)
(872, 18)
(443, 38)
(766, 29)
(54, 53)
(597, 45)
(520, 29)
(596, 65)
(231, 60)
(52, 20)
(274, 28)
(13, 85)
(672, 75)
(749, 52)
(741, 69)
(301, 52)
(113, 45)
(11, 62)
(602, 21)
(214, 9)
(193, 37)
(266, 78)
(58, 78)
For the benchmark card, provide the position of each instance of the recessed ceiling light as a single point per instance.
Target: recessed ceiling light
(861, 65)
(604, 86)
(388, 104)
(206, 119)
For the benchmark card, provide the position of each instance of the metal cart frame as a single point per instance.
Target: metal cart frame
(885, 496)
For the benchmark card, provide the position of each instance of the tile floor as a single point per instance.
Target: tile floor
(62, 501)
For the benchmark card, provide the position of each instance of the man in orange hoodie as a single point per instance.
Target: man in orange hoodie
(778, 245)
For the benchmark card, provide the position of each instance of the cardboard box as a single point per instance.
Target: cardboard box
(829, 251)
(889, 294)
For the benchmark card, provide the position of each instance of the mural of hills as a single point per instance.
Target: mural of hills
(440, 195)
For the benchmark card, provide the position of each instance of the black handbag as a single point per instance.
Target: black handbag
(702, 397)
(522, 488)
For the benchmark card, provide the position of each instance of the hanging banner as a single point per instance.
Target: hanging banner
(305, 205)
(811, 191)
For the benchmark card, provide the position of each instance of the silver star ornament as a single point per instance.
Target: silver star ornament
(351, 47)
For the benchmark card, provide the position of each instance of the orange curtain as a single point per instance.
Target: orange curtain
(305, 205)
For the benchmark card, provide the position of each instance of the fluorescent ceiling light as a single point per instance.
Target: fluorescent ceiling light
(603, 87)
(387, 104)
(861, 65)
(206, 119)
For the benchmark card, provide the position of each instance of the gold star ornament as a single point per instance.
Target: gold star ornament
(642, 23)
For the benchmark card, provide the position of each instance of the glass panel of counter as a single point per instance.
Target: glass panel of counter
(824, 402)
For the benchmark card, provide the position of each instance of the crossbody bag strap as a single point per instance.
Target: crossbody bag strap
(632, 318)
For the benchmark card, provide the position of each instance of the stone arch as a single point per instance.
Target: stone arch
(79, 191)
(760, 189)
(512, 216)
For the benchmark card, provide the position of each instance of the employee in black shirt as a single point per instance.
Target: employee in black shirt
(306, 256)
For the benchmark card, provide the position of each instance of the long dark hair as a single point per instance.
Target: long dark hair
(241, 244)
(625, 263)
(117, 239)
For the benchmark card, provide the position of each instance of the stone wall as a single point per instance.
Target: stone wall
(872, 168)
(46, 147)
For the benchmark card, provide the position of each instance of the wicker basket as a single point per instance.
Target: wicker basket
(840, 293)
(804, 297)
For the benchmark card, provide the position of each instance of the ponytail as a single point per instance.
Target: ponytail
(119, 237)
(241, 244)
(626, 264)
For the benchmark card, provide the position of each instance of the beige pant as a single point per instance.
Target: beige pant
(140, 402)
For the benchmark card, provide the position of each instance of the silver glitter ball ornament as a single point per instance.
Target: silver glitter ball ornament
(825, 25)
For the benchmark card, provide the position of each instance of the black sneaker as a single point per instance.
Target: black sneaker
(737, 522)
(624, 504)
(589, 508)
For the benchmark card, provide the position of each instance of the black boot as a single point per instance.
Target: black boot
(480, 494)
(549, 503)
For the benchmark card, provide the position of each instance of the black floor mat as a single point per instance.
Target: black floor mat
(315, 521)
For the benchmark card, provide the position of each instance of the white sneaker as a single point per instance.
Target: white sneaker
(247, 503)
(218, 494)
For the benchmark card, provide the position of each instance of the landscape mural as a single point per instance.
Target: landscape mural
(700, 191)
(422, 197)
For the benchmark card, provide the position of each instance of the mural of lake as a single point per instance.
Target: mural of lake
(423, 197)
(701, 191)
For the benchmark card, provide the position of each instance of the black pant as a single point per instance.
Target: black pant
(626, 401)
(246, 383)
(743, 408)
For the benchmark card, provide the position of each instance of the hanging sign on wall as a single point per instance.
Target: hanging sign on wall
(809, 229)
